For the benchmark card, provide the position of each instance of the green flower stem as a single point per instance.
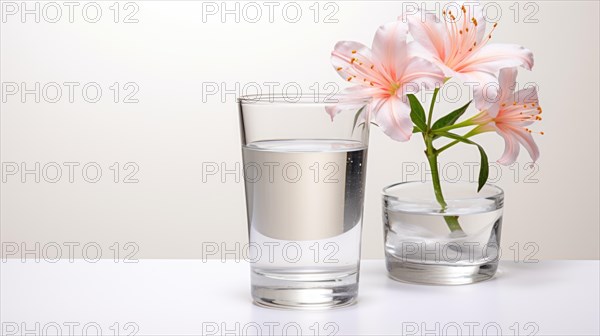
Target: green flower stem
(430, 117)
(432, 158)
(465, 123)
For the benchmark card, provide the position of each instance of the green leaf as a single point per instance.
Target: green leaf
(484, 168)
(417, 113)
(416, 130)
(450, 118)
(356, 118)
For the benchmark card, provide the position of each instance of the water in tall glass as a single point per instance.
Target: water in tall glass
(304, 205)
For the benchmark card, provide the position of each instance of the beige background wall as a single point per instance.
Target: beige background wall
(170, 57)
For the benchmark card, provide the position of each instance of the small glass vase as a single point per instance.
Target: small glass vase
(421, 248)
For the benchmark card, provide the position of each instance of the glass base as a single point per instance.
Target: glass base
(436, 274)
(304, 292)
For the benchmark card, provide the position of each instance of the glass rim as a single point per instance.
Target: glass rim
(301, 99)
(497, 192)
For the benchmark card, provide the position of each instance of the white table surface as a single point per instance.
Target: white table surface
(192, 297)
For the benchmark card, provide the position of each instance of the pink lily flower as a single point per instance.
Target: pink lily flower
(458, 43)
(510, 116)
(386, 73)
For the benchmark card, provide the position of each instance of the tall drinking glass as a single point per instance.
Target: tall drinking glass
(304, 175)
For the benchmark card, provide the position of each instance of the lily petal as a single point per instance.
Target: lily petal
(350, 98)
(421, 73)
(507, 80)
(485, 88)
(393, 116)
(493, 110)
(511, 149)
(527, 96)
(495, 56)
(344, 54)
(430, 32)
(527, 141)
(389, 46)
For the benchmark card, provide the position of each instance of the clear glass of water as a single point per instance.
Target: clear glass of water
(419, 246)
(304, 175)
